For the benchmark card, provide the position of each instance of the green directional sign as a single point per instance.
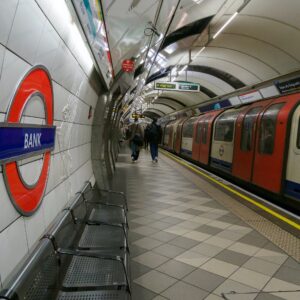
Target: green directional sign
(195, 87)
(165, 86)
(178, 86)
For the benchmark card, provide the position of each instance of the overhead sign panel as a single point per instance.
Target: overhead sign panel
(178, 86)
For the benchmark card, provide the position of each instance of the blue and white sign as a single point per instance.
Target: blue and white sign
(18, 142)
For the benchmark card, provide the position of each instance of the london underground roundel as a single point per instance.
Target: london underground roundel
(19, 140)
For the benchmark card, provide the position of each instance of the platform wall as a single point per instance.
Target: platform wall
(42, 32)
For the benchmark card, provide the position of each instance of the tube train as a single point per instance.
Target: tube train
(256, 144)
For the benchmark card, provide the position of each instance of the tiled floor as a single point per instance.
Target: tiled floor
(185, 245)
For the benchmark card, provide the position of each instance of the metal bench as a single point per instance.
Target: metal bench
(94, 262)
(105, 197)
(75, 260)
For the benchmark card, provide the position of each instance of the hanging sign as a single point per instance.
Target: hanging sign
(127, 65)
(136, 115)
(178, 86)
(19, 141)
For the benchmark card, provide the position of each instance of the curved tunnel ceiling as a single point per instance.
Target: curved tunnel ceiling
(259, 44)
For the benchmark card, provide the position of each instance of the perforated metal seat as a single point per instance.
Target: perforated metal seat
(94, 295)
(89, 272)
(108, 214)
(102, 237)
(106, 196)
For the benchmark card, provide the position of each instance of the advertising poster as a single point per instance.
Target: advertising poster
(91, 17)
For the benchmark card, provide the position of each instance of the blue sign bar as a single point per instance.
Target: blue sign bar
(22, 141)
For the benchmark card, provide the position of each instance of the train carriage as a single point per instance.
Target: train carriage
(258, 143)
(271, 143)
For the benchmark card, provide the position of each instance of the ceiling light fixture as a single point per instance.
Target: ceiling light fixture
(198, 1)
(200, 51)
(183, 69)
(225, 25)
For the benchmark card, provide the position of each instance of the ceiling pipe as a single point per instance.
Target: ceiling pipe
(161, 42)
(164, 37)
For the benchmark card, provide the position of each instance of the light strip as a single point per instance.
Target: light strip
(225, 25)
(183, 69)
(200, 51)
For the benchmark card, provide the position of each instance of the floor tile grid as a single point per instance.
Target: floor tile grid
(274, 233)
(174, 238)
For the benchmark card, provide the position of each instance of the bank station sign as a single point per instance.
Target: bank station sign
(20, 140)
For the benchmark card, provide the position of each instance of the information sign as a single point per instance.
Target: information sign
(19, 141)
(178, 86)
(288, 86)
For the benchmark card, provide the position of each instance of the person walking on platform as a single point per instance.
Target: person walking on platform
(136, 139)
(146, 137)
(155, 134)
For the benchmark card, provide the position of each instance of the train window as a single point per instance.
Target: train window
(204, 132)
(247, 129)
(267, 129)
(225, 126)
(188, 128)
(166, 135)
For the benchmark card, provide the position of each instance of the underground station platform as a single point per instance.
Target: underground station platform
(191, 237)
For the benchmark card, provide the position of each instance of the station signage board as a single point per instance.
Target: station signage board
(288, 86)
(178, 86)
(213, 106)
(20, 140)
(250, 97)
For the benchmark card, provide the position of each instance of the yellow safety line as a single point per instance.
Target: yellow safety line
(266, 209)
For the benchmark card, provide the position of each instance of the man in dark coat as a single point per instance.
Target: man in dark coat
(154, 136)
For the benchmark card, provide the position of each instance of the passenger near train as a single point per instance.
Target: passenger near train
(257, 144)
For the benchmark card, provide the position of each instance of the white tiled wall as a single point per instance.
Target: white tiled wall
(41, 32)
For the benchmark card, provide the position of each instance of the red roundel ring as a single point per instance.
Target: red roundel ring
(27, 199)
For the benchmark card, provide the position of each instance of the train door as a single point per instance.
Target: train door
(167, 136)
(223, 140)
(206, 136)
(292, 179)
(245, 136)
(271, 143)
(196, 139)
(187, 137)
(177, 140)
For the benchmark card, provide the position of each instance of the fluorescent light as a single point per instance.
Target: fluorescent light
(171, 49)
(183, 69)
(226, 24)
(200, 51)
(198, 1)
